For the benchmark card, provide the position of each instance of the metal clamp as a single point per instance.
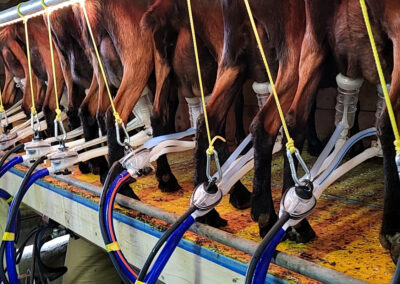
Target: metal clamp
(208, 168)
(127, 138)
(398, 164)
(3, 114)
(35, 120)
(293, 168)
(64, 133)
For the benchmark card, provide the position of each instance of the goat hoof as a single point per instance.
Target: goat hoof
(240, 197)
(168, 183)
(265, 223)
(392, 243)
(212, 219)
(302, 233)
(84, 168)
(128, 191)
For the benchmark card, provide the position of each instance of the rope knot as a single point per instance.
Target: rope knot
(397, 145)
(33, 110)
(117, 117)
(210, 150)
(290, 146)
(58, 115)
(1, 108)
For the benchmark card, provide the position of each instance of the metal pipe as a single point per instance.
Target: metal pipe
(28, 9)
(282, 259)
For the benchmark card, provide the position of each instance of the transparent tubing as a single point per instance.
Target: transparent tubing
(346, 107)
(195, 109)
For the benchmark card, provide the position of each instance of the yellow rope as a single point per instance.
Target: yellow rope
(1, 102)
(290, 144)
(28, 54)
(211, 142)
(58, 111)
(381, 76)
(103, 73)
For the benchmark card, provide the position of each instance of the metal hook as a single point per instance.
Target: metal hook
(127, 138)
(3, 114)
(398, 164)
(293, 168)
(64, 133)
(35, 119)
(208, 168)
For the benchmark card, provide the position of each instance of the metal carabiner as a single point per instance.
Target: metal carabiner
(35, 119)
(208, 167)
(293, 168)
(64, 133)
(127, 138)
(398, 164)
(3, 114)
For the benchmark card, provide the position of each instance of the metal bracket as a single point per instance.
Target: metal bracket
(208, 168)
(293, 168)
(127, 138)
(64, 133)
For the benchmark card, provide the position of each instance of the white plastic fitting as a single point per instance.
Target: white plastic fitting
(262, 91)
(20, 83)
(195, 109)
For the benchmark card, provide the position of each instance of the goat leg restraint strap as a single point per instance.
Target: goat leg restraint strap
(58, 121)
(210, 151)
(291, 149)
(118, 120)
(34, 117)
(383, 83)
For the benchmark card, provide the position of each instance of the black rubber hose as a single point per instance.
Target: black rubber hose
(161, 242)
(10, 152)
(18, 199)
(103, 230)
(396, 276)
(263, 245)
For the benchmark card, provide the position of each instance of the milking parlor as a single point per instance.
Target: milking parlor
(199, 141)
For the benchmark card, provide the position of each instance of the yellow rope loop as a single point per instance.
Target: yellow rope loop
(381, 75)
(43, 4)
(210, 150)
(33, 110)
(19, 12)
(113, 247)
(8, 237)
(58, 115)
(290, 146)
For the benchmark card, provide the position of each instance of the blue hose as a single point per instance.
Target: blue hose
(10, 251)
(108, 206)
(261, 270)
(167, 251)
(11, 163)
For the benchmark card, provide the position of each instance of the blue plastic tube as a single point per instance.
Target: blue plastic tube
(109, 206)
(11, 163)
(10, 251)
(261, 270)
(167, 251)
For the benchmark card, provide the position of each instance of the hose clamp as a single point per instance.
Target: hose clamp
(208, 167)
(127, 138)
(293, 168)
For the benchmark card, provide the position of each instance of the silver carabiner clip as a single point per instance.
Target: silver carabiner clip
(293, 168)
(35, 120)
(3, 114)
(127, 138)
(208, 167)
(398, 164)
(64, 133)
